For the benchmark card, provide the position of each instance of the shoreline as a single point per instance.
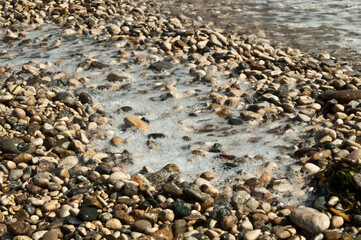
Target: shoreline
(56, 185)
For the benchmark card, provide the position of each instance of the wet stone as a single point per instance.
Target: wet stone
(220, 211)
(130, 189)
(119, 77)
(85, 98)
(196, 194)
(161, 66)
(73, 220)
(61, 96)
(180, 210)
(235, 121)
(172, 189)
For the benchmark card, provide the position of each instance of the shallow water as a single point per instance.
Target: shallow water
(252, 141)
(312, 26)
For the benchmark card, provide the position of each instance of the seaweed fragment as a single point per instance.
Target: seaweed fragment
(338, 180)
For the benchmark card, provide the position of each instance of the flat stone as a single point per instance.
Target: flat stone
(249, 115)
(355, 155)
(117, 176)
(19, 228)
(310, 219)
(15, 174)
(252, 235)
(68, 162)
(141, 225)
(120, 77)
(240, 197)
(165, 233)
(88, 214)
(161, 66)
(136, 123)
(50, 235)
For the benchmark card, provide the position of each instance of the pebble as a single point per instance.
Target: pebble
(310, 219)
(141, 225)
(252, 235)
(113, 224)
(336, 222)
(50, 235)
(88, 214)
(136, 123)
(68, 162)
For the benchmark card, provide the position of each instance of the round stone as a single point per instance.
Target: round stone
(142, 225)
(85, 98)
(116, 141)
(49, 206)
(337, 221)
(51, 235)
(15, 174)
(113, 224)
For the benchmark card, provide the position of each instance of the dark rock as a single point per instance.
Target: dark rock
(19, 228)
(85, 98)
(21, 215)
(161, 66)
(15, 185)
(196, 194)
(73, 220)
(320, 203)
(98, 65)
(156, 135)
(88, 213)
(180, 210)
(220, 211)
(130, 189)
(30, 209)
(60, 96)
(172, 189)
(76, 191)
(102, 169)
(119, 212)
(235, 121)
(125, 109)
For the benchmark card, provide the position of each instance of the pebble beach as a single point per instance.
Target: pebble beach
(121, 120)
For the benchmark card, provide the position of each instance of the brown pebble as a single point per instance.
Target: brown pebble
(116, 141)
(165, 233)
(228, 222)
(136, 123)
(172, 167)
(51, 235)
(207, 175)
